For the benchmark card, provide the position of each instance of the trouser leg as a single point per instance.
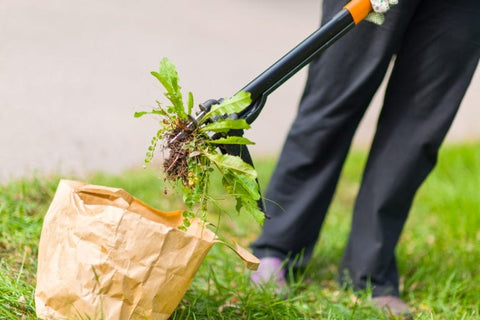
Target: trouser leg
(339, 88)
(432, 71)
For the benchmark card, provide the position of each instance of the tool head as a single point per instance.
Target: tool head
(194, 120)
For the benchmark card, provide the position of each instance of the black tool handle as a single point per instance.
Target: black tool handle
(264, 84)
(299, 56)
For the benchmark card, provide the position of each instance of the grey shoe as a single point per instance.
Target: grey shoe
(394, 305)
(271, 270)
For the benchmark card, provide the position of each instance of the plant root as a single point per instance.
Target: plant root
(175, 164)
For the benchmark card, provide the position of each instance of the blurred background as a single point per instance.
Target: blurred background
(72, 73)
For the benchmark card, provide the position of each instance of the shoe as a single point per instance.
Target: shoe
(394, 305)
(271, 270)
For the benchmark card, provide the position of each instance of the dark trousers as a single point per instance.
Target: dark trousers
(437, 47)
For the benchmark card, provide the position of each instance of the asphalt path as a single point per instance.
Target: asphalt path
(72, 73)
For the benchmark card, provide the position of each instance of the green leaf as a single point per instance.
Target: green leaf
(186, 222)
(231, 105)
(231, 140)
(233, 163)
(190, 103)
(225, 125)
(238, 184)
(142, 113)
(188, 214)
(168, 77)
(250, 207)
(258, 215)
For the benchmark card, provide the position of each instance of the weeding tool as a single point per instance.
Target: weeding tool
(273, 77)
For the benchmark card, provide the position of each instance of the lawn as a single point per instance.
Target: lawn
(439, 251)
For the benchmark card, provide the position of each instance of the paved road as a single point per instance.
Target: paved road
(72, 73)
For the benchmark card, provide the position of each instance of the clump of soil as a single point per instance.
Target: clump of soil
(175, 164)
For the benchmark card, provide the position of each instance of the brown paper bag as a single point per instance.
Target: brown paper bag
(105, 255)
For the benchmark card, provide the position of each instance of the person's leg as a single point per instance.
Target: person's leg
(432, 71)
(340, 86)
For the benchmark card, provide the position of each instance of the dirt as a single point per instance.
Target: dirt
(175, 164)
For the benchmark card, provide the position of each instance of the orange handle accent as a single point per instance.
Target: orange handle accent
(359, 9)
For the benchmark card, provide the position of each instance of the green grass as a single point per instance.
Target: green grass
(439, 251)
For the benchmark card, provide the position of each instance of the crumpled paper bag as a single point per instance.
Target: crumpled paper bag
(103, 254)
